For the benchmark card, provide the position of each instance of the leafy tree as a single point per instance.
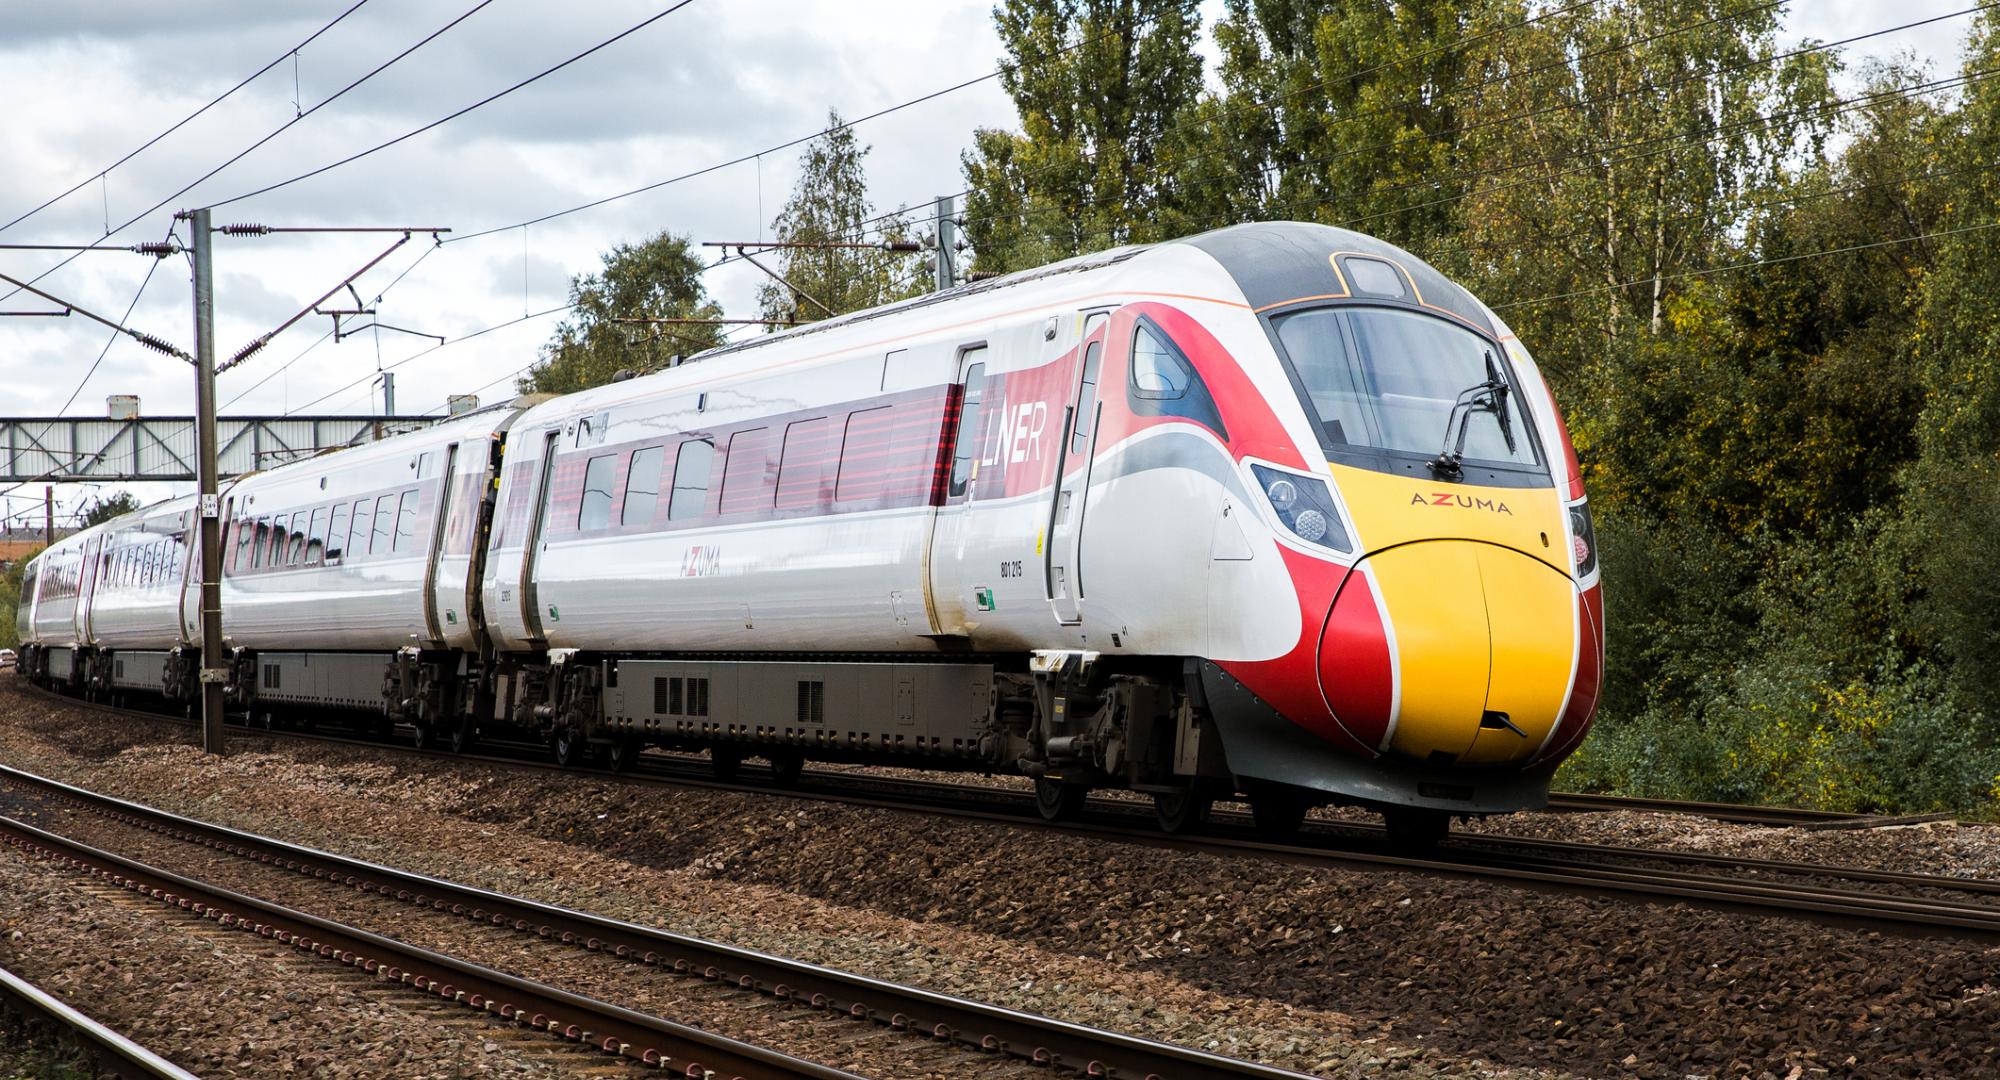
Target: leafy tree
(656, 279)
(105, 509)
(829, 204)
(10, 599)
(1100, 87)
(1954, 486)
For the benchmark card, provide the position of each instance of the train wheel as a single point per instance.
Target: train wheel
(1278, 812)
(569, 748)
(1410, 827)
(1058, 801)
(724, 760)
(620, 755)
(427, 736)
(1181, 812)
(463, 735)
(786, 767)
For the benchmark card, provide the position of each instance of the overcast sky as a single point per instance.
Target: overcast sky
(86, 83)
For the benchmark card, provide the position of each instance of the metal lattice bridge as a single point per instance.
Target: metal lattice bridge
(61, 449)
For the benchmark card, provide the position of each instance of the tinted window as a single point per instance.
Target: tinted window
(1164, 383)
(336, 534)
(965, 448)
(357, 537)
(316, 538)
(295, 553)
(406, 520)
(385, 525)
(258, 542)
(1086, 398)
(803, 469)
(691, 471)
(642, 486)
(865, 455)
(595, 510)
(280, 533)
(746, 474)
(1389, 380)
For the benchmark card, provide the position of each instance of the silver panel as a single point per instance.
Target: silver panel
(347, 680)
(139, 670)
(62, 662)
(915, 708)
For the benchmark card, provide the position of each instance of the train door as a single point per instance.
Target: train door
(945, 590)
(190, 590)
(1062, 563)
(447, 487)
(86, 587)
(531, 556)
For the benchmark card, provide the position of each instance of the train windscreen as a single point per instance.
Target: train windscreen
(1390, 384)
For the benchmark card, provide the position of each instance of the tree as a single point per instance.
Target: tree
(829, 204)
(105, 509)
(1100, 87)
(658, 278)
(10, 599)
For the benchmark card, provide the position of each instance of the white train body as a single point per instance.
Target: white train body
(1156, 517)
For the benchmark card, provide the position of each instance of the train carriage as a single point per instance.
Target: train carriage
(1277, 511)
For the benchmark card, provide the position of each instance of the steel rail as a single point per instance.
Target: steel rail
(1030, 1037)
(1847, 908)
(611, 1028)
(108, 1051)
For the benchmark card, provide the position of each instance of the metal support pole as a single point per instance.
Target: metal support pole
(212, 671)
(947, 242)
(388, 393)
(49, 516)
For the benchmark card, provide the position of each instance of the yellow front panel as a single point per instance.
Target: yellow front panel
(1388, 510)
(1433, 595)
(1531, 617)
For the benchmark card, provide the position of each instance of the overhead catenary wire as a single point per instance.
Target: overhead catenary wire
(441, 121)
(105, 172)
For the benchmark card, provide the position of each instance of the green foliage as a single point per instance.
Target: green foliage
(828, 204)
(103, 510)
(10, 600)
(655, 279)
(1100, 86)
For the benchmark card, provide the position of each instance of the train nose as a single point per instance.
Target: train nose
(1451, 651)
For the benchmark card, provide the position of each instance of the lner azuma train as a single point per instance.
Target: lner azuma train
(1277, 511)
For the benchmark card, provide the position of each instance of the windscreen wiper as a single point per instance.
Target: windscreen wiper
(1488, 396)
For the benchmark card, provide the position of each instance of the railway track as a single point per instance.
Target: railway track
(1920, 904)
(105, 1052)
(925, 1016)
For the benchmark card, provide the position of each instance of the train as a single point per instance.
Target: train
(1277, 512)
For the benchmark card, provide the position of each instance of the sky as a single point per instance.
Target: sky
(714, 80)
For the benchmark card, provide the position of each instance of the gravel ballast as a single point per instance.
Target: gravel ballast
(1334, 972)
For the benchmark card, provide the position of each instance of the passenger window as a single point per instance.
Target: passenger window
(385, 524)
(296, 553)
(1157, 374)
(802, 468)
(746, 472)
(1164, 383)
(258, 542)
(406, 520)
(357, 536)
(866, 459)
(316, 538)
(279, 533)
(336, 535)
(965, 448)
(595, 512)
(1086, 399)
(691, 474)
(642, 486)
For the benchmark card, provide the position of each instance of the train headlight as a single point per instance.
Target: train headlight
(1305, 506)
(1583, 539)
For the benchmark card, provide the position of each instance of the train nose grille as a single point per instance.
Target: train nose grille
(1451, 647)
